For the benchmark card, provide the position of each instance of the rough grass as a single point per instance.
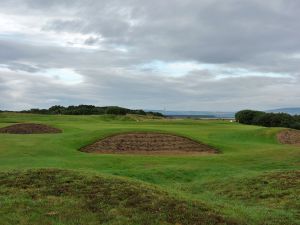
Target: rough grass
(275, 190)
(51, 196)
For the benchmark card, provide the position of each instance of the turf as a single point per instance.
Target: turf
(241, 185)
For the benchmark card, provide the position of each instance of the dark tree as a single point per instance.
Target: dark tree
(268, 119)
(248, 116)
(89, 110)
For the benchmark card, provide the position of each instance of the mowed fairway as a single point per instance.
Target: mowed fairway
(253, 180)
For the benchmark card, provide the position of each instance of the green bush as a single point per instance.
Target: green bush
(248, 116)
(268, 119)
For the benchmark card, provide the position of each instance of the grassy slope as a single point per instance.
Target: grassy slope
(45, 196)
(248, 152)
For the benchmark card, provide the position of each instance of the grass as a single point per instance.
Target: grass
(274, 190)
(244, 184)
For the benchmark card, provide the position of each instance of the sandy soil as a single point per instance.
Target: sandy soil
(148, 143)
(29, 128)
(289, 136)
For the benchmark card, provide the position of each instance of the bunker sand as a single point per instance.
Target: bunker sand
(148, 143)
(29, 128)
(289, 136)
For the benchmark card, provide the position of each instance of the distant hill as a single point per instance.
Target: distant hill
(212, 114)
(292, 111)
(194, 114)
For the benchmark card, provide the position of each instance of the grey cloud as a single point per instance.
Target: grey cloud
(91, 41)
(258, 36)
(65, 25)
(196, 90)
(22, 67)
(15, 54)
(208, 31)
(20, 90)
(144, 91)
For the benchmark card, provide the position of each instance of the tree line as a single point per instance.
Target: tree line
(268, 119)
(90, 110)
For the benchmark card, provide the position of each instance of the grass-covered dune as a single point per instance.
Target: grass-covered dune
(253, 179)
(62, 197)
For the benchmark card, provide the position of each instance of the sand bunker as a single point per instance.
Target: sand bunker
(29, 128)
(289, 136)
(147, 143)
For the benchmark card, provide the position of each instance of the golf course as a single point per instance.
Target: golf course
(248, 178)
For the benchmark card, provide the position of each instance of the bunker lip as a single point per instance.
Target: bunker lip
(289, 136)
(29, 128)
(148, 143)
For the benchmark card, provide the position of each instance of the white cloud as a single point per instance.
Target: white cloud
(65, 75)
(175, 69)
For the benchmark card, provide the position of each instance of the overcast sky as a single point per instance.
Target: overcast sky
(221, 55)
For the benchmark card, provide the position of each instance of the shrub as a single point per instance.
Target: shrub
(248, 116)
(268, 119)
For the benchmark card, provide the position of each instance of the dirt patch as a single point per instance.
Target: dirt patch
(289, 137)
(148, 143)
(29, 128)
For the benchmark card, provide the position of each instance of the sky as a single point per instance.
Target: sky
(220, 55)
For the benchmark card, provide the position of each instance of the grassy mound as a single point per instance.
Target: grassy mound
(278, 190)
(29, 128)
(52, 196)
